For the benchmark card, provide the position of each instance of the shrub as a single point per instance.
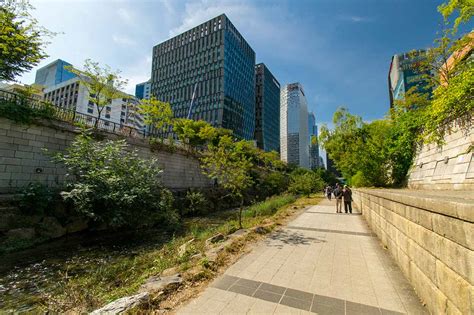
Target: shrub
(114, 186)
(36, 199)
(195, 203)
(359, 180)
(305, 183)
(21, 112)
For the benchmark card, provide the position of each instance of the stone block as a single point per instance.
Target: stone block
(458, 258)
(7, 153)
(14, 134)
(20, 141)
(24, 155)
(432, 297)
(425, 261)
(454, 287)
(13, 169)
(454, 229)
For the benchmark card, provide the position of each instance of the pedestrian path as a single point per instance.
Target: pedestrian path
(321, 262)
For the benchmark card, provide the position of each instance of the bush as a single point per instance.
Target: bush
(359, 180)
(305, 183)
(114, 186)
(195, 203)
(36, 199)
(269, 206)
(22, 113)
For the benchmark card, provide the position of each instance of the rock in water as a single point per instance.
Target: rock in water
(123, 304)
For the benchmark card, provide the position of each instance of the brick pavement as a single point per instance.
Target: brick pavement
(322, 262)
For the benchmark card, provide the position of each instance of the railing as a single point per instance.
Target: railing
(73, 117)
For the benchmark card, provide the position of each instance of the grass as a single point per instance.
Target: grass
(87, 281)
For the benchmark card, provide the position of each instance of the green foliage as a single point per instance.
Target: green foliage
(19, 110)
(115, 186)
(36, 199)
(359, 180)
(22, 39)
(327, 176)
(156, 114)
(102, 83)
(198, 133)
(195, 203)
(305, 183)
(228, 163)
(269, 206)
(464, 8)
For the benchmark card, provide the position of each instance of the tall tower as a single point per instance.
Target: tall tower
(212, 67)
(267, 109)
(294, 140)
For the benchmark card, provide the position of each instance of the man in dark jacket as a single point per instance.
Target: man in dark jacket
(347, 195)
(338, 195)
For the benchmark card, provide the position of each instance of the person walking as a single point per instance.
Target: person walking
(347, 196)
(328, 192)
(338, 195)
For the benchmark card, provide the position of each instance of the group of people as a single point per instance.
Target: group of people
(340, 194)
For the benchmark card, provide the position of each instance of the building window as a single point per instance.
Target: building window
(90, 110)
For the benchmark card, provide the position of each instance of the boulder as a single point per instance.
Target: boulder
(182, 249)
(260, 230)
(76, 225)
(169, 272)
(157, 284)
(124, 304)
(23, 233)
(50, 227)
(214, 239)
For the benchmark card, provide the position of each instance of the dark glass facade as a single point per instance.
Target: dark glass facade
(267, 109)
(214, 63)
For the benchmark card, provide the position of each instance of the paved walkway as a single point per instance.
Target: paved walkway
(321, 262)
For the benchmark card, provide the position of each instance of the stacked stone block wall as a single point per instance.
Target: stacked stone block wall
(23, 158)
(432, 240)
(450, 166)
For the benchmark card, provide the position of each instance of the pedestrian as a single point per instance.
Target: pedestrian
(328, 192)
(338, 195)
(347, 196)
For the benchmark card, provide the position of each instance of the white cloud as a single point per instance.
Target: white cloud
(355, 18)
(125, 15)
(123, 40)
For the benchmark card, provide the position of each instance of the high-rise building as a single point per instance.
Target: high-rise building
(267, 109)
(313, 147)
(294, 140)
(73, 95)
(53, 74)
(143, 90)
(404, 75)
(212, 68)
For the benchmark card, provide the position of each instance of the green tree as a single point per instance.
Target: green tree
(304, 182)
(227, 163)
(464, 8)
(113, 185)
(157, 114)
(22, 39)
(102, 83)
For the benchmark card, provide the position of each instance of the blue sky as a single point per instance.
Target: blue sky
(339, 50)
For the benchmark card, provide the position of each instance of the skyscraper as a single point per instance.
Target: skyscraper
(53, 74)
(267, 109)
(313, 147)
(143, 90)
(212, 67)
(294, 140)
(404, 75)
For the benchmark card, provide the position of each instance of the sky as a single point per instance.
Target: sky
(340, 50)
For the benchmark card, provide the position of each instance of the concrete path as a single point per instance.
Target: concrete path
(321, 262)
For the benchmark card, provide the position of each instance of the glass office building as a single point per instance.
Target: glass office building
(143, 90)
(53, 74)
(404, 75)
(294, 136)
(313, 148)
(267, 109)
(212, 67)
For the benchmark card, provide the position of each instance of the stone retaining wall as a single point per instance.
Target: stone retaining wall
(432, 240)
(450, 166)
(23, 160)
